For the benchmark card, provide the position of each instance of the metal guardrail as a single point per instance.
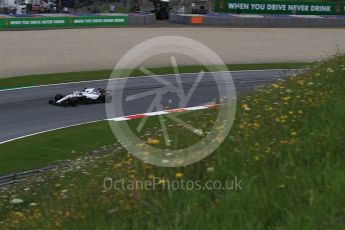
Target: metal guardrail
(258, 20)
(14, 177)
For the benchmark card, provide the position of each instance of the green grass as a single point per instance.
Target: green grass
(69, 143)
(43, 79)
(286, 147)
(43, 149)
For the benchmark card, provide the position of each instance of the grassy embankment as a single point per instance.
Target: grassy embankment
(31, 152)
(43, 79)
(286, 147)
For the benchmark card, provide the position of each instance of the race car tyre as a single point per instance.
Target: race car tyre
(102, 98)
(74, 101)
(58, 97)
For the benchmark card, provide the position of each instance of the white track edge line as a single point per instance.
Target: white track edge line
(123, 118)
(49, 130)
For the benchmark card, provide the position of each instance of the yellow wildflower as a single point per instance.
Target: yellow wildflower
(153, 141)
(301, 82)
(275, 86)
(256, 125)
(179, 175)
(245, 107)
(151, 177)
(162, 181)
(19, 215)
(286, 98)
(268, 149)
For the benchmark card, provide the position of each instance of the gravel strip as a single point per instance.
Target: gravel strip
(63, 50)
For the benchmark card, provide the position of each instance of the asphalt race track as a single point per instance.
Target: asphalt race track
(26, 111)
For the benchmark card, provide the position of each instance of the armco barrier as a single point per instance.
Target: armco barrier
(259, 20)
(56, 21)
(8, 179)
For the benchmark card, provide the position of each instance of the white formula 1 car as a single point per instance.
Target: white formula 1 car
(87, 96)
